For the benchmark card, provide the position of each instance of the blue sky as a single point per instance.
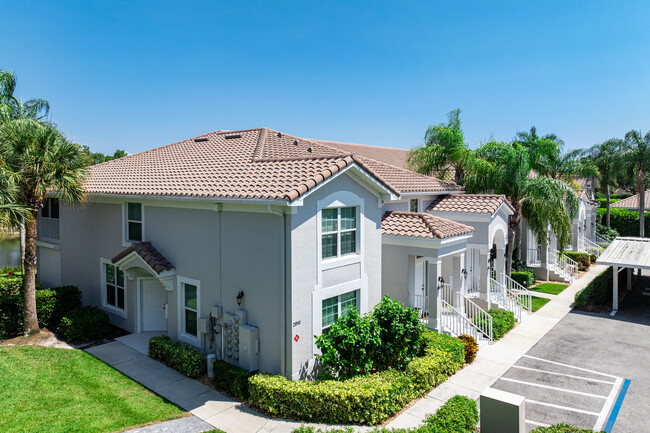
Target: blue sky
(136, 74)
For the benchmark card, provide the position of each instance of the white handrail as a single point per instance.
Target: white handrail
(481, 319)
(524, 296)
(421, 305)
(602, 240)
(504, 297)
(446, 294)
(592, 247)
(533, 258)
(456, 322)
(562, 265)
(570, 264)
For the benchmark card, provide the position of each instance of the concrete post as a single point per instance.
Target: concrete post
(629, 279)
(500, 265)
(615, 289)
(456, 278)
(435, 306)
(502, 412)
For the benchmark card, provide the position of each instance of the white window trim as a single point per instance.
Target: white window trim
(339, 231)
(190, 339)
(338, 312)
(417, 205)
(41, 217)
(102, 283)
(125, 223)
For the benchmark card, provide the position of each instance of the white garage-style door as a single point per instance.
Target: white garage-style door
(154, 306)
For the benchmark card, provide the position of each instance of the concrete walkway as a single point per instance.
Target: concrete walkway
(494, 360)
(231, 416)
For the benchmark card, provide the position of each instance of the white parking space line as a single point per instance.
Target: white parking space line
(538, 424)
(586, 394)
(557, 406)
(564, 374)
(571, 366)
(608, 405)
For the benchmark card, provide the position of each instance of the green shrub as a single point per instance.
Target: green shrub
(502, 322)
(179, 356)
(525, 277)
(400, 333)
(12, 284)
(51, 306)
(351, 345)
(625, 222)
(430, 370)
(597, 296)
(562, 428)
(582, 259)
(231, 379)
(471, 348)
(435, 340)
(86, 324)
(606, 232)
(458, 415)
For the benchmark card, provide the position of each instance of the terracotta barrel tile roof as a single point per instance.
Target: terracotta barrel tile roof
(468, 203)
(149, 254)
(388, 155)
(421, 225)
(633, 202)
(247, 164)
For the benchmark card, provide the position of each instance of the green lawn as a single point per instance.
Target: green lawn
(538, 302)
(63, 390)
(550, 288)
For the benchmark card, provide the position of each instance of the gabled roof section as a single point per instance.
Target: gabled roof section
(249, 164)
(421, 225)
(486, 204)
(633, 202)
(149, 255)
(387, 155)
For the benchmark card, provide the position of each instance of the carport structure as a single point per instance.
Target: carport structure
(625, 253)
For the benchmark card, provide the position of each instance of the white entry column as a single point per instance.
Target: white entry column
(435, 306)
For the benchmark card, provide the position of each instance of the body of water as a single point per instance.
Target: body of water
(9, 252)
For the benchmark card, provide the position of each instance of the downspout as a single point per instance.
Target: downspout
(283, 290)
(220, 214)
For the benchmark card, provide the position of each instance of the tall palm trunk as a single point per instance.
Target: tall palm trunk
(607, 217)
(30, 323)
(22, 246)
(640, 185)
(513, 222)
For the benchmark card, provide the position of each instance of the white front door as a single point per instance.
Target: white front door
(154, 305)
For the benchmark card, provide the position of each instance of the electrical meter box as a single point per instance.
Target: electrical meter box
(249, 347)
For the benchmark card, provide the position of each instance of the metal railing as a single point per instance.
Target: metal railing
(562, 265)
(504, 297)
(533, 257)
(421, 305)
(602, 240)
(523, 295)
(456, 322)
(481, 319)
(592, 247)
(446, 293)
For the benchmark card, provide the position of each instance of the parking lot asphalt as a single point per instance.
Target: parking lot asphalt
(575, 372)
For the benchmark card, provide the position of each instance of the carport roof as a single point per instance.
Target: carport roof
(627, 253)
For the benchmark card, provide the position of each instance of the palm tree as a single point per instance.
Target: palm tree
(507, 168)
(13, 108)
(607, 159)
(44, 164)
(636, 155)
(444, 150)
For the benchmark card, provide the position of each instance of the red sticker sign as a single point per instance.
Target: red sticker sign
(296, 338)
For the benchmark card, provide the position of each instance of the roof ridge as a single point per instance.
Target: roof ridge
(364, 145)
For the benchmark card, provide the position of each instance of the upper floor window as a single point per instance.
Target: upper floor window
(134, 222)
(339, 231)
(48, 227)
(414, 205)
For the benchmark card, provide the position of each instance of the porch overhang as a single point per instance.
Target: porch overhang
(143, 255)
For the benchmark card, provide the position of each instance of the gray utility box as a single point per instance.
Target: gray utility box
(249, 347)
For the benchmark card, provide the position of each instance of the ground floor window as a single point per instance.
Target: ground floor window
(190, 309)
(114, 286)
(338, 306)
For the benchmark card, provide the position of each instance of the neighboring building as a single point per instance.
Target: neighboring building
(251, 243)
(632, 203)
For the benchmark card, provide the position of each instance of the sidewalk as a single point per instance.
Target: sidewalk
(231, 416)
(494, 360)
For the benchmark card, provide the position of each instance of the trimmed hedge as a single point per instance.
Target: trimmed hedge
(502, 322)
(181, 357)
(51, 306)
(562, 428)
(525, 277)
(369, 399)
(85, 324)
(597, 296)
(231, 379)
(12, 284)
(625, 222)
(583, 259)
(458, 415)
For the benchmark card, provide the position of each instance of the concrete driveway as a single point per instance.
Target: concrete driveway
(575, 373)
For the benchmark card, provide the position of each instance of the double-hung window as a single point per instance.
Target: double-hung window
(48, 227)
(414, 205)
(134, 222)
(339, 229)
(190, 309)
(338, 306)
(114, 286)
